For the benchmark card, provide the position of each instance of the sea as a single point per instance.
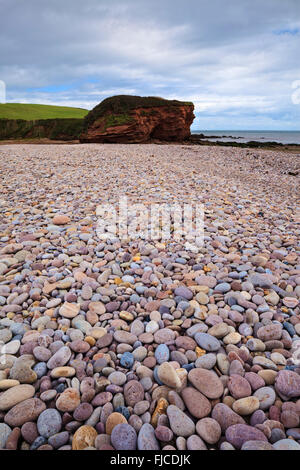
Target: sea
(283, 137)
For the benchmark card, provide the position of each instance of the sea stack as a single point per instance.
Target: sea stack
(136, 119)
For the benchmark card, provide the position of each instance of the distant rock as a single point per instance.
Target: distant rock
(129, 119)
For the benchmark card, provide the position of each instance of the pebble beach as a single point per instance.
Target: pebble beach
(143, 344)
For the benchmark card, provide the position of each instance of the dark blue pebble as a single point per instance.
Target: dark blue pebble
(289, 327)
(60, 388)
(291, 367)
(124, 411)
(127, 360)
(164, 309)
(38, 442)
(189, 367)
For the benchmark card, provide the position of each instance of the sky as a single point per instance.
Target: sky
(237, 60)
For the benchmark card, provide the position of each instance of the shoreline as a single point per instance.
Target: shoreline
(194, 140)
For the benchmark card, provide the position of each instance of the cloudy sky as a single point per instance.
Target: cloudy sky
(237, 60)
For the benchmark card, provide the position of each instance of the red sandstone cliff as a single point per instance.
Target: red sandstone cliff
(141, 121)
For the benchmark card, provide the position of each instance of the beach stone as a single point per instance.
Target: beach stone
(266, 396)
(69, 310)
(29, 432)
(180, 423)
(207, 361)
(290, 302)
(168, 376)
(5, 432)
(97, 307)
(146, 438)
(269, 332)
(15, 395)
(223, 287)
(5, 384)
(127, 360)
(5, 336)
(60, 358)
(238, 434)
(232, 338)
(219, 330)
(238, 386)
(49, 423)
(83, 412)
(184, 292)
(133, 392)
(42, 354)
(197, 404)
(185, 342)
(58, 440)
(27, 410)
(195, 442)
(124, 437)
(68, 401)
(286, 444)
(207, 382)
(22, 370)
(113, 420)
(124, 337)
(84, 437)
(164, 336)
(255, 344)
(162, 353)
(255, 380)
(268, 376)
(289, 419)
(246, 406)
(163, 434)
(61, 219)
(10, 348)
(64, 371)
(209, 430)
(117, 378)
(287, 383)
(104, 341)
(257, 445)
(207, 342)
(225, 416)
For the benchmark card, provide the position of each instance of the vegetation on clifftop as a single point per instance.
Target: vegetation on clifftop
(31, 112)
(120, 106)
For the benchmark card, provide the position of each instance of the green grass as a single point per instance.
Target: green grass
(31, 112)
(117, 120)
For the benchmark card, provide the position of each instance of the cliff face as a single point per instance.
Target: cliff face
(129, 119)
(55, 129)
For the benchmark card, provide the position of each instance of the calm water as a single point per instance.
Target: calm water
(283, 137)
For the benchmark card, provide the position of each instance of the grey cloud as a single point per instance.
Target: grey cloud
(226, 56)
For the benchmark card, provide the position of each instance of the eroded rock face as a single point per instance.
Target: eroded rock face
(135, 119)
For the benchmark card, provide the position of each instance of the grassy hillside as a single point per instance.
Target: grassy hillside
(31, 112)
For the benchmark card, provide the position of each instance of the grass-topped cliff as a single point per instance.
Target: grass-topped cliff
(39, 121)
(32, 112)
(118, 108)
(135, 119)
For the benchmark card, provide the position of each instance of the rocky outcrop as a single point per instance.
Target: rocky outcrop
(135, 119)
